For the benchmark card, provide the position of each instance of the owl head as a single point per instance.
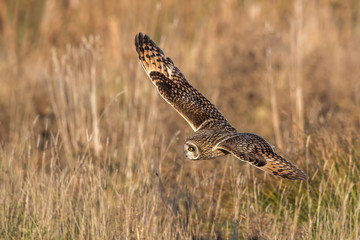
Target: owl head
(201, 146)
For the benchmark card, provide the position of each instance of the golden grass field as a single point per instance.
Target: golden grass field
(89, 150)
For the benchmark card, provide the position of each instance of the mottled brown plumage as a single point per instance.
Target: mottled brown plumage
(173, 86)
(214, 136)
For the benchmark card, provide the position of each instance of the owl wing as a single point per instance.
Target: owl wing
(256, 151)
(172, 85)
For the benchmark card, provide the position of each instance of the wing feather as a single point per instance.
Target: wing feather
(259, 153)
(172, 85)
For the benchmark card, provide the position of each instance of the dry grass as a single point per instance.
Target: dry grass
(88, 150)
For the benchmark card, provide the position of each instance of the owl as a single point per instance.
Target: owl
(214, 136)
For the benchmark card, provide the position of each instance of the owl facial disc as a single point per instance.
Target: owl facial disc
(191, 151)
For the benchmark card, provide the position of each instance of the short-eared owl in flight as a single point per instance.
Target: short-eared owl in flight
(214, 136)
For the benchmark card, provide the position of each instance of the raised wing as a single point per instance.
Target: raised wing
(256, 151)
(173, 86)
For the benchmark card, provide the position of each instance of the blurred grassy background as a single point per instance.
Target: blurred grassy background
(88, 150)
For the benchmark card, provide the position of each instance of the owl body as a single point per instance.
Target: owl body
(214, 136)
(203, 143)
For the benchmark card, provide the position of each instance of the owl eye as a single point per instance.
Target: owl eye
(191, 149)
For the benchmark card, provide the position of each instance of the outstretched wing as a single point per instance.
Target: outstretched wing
(173, 86)
(256, 151)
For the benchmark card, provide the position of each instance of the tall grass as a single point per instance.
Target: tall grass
(88, 150)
